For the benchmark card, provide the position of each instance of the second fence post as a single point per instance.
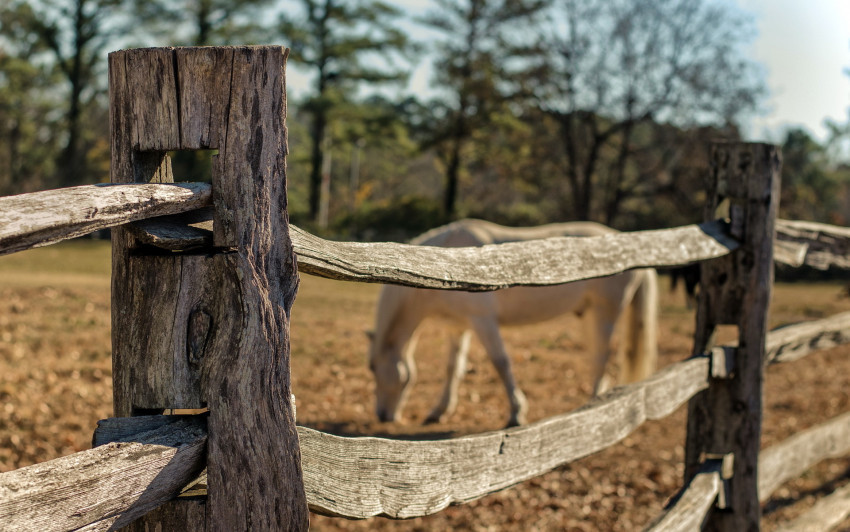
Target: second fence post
(736, 290)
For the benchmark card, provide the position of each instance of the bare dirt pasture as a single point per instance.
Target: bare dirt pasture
(55, 383)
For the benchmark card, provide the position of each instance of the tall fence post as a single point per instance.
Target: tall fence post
(735, 290)
(210, 328)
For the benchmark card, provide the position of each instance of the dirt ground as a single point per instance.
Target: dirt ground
(55, 383)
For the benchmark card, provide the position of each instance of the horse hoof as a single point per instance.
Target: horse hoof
(515, 423)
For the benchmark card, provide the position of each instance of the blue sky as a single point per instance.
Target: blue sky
(805, 46)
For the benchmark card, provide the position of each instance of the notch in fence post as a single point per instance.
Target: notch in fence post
(736, 290)
(211, 328)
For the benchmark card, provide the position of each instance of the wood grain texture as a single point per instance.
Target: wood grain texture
(363, 477)
(736, 290)
(824, 246)
(212, 328)
(687, 510)
(827, 514)
(42, 218)
(540, 262)
(106, 486)
(793, 456)
(793, 342)
(536, 263)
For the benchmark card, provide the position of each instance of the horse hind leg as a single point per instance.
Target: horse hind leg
(458, 351)
(641, 329)
(488, 332)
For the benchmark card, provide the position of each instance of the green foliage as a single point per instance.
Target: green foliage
(809, 190)
(339, 41)
(67, 38)
(202, 22)
(474, 52)
(28, 143)
(392, 220)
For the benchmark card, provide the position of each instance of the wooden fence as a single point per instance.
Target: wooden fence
(204, 277)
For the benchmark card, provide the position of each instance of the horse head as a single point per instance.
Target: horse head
(394, 373)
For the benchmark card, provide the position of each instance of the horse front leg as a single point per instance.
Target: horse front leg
(603, 319)
(487, 330)
(456, 369)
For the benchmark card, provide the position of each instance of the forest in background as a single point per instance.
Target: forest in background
(537, 110)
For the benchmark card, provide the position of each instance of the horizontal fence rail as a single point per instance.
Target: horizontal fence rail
(543, 262)
(686, 512)
(791, 457)
(41, 218)
(105, 487)
(824, 245)
(793, 342)
(826, 514)
(161, 217)
(535, 263)
(363, 477)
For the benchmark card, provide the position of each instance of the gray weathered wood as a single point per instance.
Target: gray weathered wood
(192, 512)
(736, 290)
(106, 486)
(212, 329)
(539, 262)
(42, 218)
(827, 514)
(795, 341)
(127, 428)
(687, 511)
(542, 262)
(824, 245)
(362, 477)
(790, 253)
(793, 456)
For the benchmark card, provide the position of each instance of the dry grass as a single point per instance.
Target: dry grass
(55, 383)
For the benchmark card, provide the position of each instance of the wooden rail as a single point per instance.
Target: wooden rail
(824, 245)
(162, 218)
(42, 218)
(687, 510)
(790, 458)
(107, 486)
(826, 514)
(796, 341)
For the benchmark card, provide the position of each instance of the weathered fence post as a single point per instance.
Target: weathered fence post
(210, 328)
(736, 290)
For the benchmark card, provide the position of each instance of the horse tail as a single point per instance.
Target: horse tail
(641, 329)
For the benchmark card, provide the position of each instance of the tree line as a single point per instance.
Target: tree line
(536, 110)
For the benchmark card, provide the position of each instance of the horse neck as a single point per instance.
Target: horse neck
(398, 315)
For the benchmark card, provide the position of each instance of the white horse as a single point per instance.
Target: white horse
(400, 310)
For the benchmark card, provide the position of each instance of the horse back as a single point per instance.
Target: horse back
(471, 233)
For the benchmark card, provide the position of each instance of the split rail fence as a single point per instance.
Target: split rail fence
(204, 277)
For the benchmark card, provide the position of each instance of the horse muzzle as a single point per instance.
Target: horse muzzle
(385, 416)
